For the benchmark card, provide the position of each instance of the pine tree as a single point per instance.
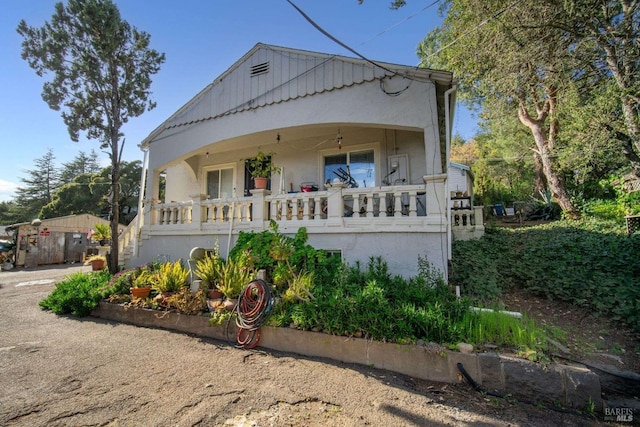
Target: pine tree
(39, 186)
(80, 164)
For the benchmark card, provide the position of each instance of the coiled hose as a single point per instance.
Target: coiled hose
(252, 311)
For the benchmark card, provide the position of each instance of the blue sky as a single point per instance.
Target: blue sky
(200, 39)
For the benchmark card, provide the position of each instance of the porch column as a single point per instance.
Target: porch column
(260, 212)
(196, 212)
(437, 200)
(335, 204)
(431, 134)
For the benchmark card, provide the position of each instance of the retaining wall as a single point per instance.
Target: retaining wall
(555, 384)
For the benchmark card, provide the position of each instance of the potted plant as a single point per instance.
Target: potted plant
(102, 233)
(235, 274)
(208, 270)
(261, 167)
(97, 262)
(170, 277)
(141, 285)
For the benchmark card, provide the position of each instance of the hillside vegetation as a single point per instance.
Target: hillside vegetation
(589, 263)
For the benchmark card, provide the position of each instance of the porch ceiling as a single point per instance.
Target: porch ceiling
(301, 136)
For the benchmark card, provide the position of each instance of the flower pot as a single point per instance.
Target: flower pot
(260, 183)
(214, 294)
(140, 292)
(97, 265)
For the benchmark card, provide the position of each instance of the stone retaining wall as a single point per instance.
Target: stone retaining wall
(555, 384)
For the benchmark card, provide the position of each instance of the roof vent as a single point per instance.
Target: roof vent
(258, 69)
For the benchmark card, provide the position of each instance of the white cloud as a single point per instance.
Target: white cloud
(7, 190)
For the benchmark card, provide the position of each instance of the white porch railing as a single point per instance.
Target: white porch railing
(403, 205)
(467, 222)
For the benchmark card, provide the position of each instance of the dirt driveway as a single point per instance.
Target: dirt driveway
(61, 371)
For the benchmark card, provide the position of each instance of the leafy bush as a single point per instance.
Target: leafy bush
(78, 293)
(590, 263)
(374, 304)
(234, 274)
(302, 256)
(171, 277)
(208, 270)
(608, 210)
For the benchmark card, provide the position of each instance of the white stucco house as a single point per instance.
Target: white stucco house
(363, 148)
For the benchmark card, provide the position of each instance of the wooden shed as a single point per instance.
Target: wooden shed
(55, 240)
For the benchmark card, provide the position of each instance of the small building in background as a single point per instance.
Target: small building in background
(53, 241)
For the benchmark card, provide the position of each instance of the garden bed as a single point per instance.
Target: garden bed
(553, 384)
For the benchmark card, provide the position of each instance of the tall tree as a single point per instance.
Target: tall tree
(102, 69)
(504, 60)
(129, 189)
(86, 193)
(605, 38)
(10, 213)
(90, 193)
(81, 163)
(39, 186)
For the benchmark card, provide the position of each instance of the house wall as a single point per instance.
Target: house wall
(458, 180)
(399, 250)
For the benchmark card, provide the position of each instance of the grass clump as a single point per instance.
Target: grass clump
(502, 330)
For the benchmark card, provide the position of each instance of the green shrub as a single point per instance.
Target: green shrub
(373, 303)
(590, 263)
(608, 210)
(302, 256)
(78, 293)
(171, 277)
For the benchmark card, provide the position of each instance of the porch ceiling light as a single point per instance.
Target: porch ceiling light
(339, 140)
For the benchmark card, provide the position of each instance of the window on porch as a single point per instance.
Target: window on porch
(220, 183)
(355, 168)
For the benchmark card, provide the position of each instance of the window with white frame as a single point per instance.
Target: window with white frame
(219, 182)
(355, 168)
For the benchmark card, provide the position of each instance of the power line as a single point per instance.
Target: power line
(323, 31)
(401, 22)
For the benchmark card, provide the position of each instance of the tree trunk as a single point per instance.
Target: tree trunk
(540, 183)
(545, 152)
(115, 206)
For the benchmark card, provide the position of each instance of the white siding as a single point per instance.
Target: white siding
(291, 75)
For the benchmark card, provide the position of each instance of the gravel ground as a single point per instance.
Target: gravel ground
(62, 371)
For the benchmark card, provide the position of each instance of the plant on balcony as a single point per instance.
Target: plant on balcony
(261, 167)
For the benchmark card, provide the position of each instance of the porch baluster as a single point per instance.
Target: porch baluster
(356, 206)
(397, 210)
(369, 200)
(383, 205)
(413, 210)
(306, 208)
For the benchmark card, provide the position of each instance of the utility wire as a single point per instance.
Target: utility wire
(401, 22)
(323, 31)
